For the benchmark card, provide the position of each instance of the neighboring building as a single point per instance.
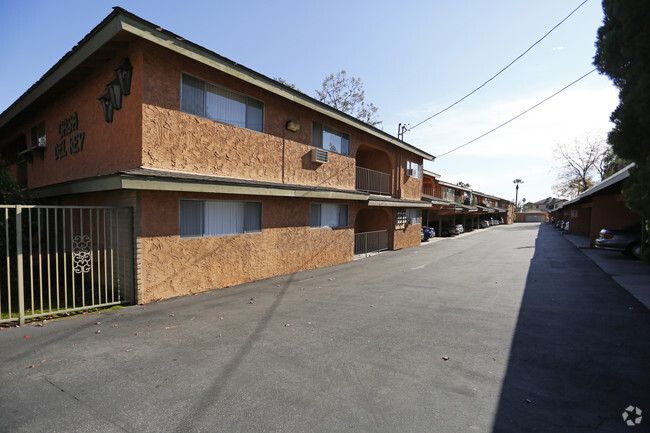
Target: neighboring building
(601, 206)
(531, 216)
(452, 204)
(546, 205)
(232, 176)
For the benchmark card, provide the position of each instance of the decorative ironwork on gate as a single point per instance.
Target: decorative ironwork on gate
(64, 258)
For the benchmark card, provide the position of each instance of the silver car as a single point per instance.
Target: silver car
(627, 240)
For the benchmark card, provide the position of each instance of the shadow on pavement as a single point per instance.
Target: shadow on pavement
(219, 382)
(581, 350)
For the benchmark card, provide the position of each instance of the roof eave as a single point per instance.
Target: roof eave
(122, 20)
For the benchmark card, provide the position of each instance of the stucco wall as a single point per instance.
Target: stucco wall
(610, 212)
(177, 141)
(407, 237)
(169, 132)
(173, 266)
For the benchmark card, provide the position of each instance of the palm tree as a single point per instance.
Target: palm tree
(517, 182)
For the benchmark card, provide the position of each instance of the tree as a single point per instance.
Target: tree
(582, 164)
(623, 53)
(517, 182)
(463, 184)
(286, 83)
(347, 95)
(611, 163)
(10, 192)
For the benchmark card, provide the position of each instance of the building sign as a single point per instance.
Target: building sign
(70, 141)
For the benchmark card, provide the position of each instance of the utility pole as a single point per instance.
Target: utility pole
(401, 130)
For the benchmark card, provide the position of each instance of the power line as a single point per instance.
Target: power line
(517, 116)
(499, 73)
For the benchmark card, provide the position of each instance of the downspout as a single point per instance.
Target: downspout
(283, 152)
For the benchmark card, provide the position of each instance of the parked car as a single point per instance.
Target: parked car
(627, 240)
(460, 228)
(484, 224)
(449, 230)
(427, 233)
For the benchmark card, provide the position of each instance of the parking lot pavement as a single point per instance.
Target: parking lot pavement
(510, 329)
(632, 275)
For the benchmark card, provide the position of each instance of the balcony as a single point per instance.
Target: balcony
(372, 181)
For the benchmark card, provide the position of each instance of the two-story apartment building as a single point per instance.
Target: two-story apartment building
(453, 204)
(231, 176)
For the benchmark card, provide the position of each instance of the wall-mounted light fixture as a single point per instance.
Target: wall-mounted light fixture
(107, 106)
(293, 125)
(124, 75)
(114, 90)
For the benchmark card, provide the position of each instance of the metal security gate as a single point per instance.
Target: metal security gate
(370, 242)
(61, 259)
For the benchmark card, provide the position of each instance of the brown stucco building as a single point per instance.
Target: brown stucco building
(600, 207)
(231, 176)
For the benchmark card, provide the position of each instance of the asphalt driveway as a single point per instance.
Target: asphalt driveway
(537, 338)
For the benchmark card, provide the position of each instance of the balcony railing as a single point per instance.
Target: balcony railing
(372, 181)
(428, 190)
(448, 196)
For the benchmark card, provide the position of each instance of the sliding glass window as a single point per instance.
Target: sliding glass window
(205, 99)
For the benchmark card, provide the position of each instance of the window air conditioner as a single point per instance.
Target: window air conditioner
(410, 172)
(319, 155)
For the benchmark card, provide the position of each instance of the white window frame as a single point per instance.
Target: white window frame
(327, 210)
(416, 168)
(249, 102)
(209, 219)
(414, 216)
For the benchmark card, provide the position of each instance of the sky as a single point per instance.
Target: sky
(414, 57)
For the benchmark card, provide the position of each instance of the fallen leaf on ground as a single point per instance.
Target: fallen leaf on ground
(98, 332)
(288, 324)
(27, 336)
(446, 358)
(98, 323)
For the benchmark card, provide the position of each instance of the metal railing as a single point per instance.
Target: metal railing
(372, 181)
(370, 242)
(61, 259)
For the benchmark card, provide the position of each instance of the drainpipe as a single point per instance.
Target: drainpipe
(283, 133)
